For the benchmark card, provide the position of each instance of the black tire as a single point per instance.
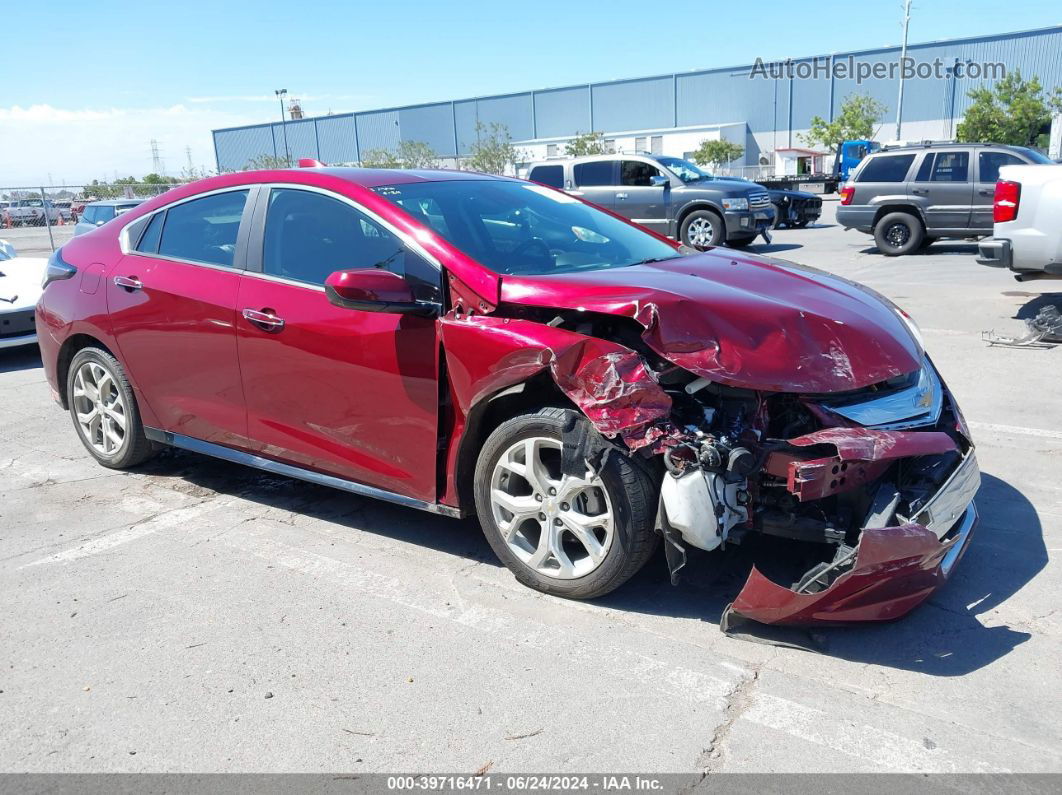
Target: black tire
(744, 242)
(801, 224)
(135, 447)
(630, 491)
(898, 233)
(692, 221)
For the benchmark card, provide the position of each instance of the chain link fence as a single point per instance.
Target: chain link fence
(37, 219)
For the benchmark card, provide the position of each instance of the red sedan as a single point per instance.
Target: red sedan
(468, 344)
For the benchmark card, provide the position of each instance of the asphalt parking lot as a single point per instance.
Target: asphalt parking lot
(198, 616)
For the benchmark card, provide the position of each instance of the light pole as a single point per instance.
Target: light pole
(280, 92)
(903, 58)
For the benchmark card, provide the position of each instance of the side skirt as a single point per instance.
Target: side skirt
(277, 468)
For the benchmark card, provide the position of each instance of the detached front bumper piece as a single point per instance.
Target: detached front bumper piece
(894, 568)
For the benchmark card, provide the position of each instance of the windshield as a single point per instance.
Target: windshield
(519, 228)
(1035, 156)
(684, 169)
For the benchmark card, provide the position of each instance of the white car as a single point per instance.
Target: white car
(20, 287)
(1027, 236)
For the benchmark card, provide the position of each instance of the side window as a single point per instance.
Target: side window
(887, 168)
(635, 173)
(149, 241)
(989, 164)
(104, 213)
(548, 175)
(951, 167)
(88, 215)
(204, 230)
(309, 235)
(926, 168)
(596, 173)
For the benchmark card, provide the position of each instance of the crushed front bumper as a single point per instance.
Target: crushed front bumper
(895, 568)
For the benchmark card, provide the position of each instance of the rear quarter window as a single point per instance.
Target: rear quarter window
(590, 174)
(548, 175)
(886, 168)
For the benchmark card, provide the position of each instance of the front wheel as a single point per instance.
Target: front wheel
(702, 228)
(104, 410)
(577, 536)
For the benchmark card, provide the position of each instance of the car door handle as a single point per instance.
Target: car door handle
(129, 283)
(920, 191)
(986, 191)
(265, 320)
(622, 196)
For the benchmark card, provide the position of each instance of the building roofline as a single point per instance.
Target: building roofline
(739, 69)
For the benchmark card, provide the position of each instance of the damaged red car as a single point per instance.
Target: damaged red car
(468, 344)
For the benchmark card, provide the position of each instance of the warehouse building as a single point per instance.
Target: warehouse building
(764, 107)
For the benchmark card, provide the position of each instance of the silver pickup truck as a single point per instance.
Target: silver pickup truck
(1027, 235)
(31, 212)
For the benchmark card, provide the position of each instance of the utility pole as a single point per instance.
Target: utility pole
(280, 92)
(191, 168)
(903, 58)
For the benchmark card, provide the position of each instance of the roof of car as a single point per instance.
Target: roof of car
(375, 177)
(114, 202)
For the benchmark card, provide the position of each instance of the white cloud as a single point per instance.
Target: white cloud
(75, 145)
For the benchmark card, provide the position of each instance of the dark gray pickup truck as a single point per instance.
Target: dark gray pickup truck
(669, 195)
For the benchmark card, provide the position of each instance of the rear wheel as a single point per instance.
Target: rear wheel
(898, 233)
(104, 410)
(577, 536)
(702, 228)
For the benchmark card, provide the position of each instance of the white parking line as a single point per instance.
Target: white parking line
(1016, 430)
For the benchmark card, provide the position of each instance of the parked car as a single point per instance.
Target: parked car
(32, 212)
(907, 197)
(668, 195)
(1027, 236)
(467, 344)
(66, 211)
(20, 287)
(98, 213)
(792, 208)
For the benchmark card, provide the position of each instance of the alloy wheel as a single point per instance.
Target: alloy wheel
(700, 232)
(559, 525)
(102, 415)
(897, 235)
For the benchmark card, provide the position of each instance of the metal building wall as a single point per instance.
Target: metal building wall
(775, 110)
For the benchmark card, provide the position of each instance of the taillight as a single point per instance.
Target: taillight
(1005, 203)
(847, 193)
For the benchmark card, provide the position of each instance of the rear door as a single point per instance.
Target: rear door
(341, 391)
(988, 165)
(639, 200)
(597, 181)
(944, 178)
(172, 304)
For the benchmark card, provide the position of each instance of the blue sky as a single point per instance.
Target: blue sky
(127, 72)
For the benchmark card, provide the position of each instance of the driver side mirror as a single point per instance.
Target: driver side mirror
(374, 290)
(659, 181)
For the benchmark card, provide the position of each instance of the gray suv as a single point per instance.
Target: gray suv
(909, 196)
(669, 195)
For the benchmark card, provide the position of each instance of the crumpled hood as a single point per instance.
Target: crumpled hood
(745, 321)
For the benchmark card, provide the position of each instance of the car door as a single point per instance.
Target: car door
(943, 178)
(596, 181)
(172, 306)
(988, 165)
(347, 392)
(638, 199)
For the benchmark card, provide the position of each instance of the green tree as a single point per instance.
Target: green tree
(380, 158)
(158, 179)
(265, 162)
(715, 153)
(409, 154)
(591, 143)
(493, 151)
(1015, 111)
(859, 115)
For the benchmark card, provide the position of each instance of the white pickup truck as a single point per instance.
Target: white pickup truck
(31, 212)
(1027, 233)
